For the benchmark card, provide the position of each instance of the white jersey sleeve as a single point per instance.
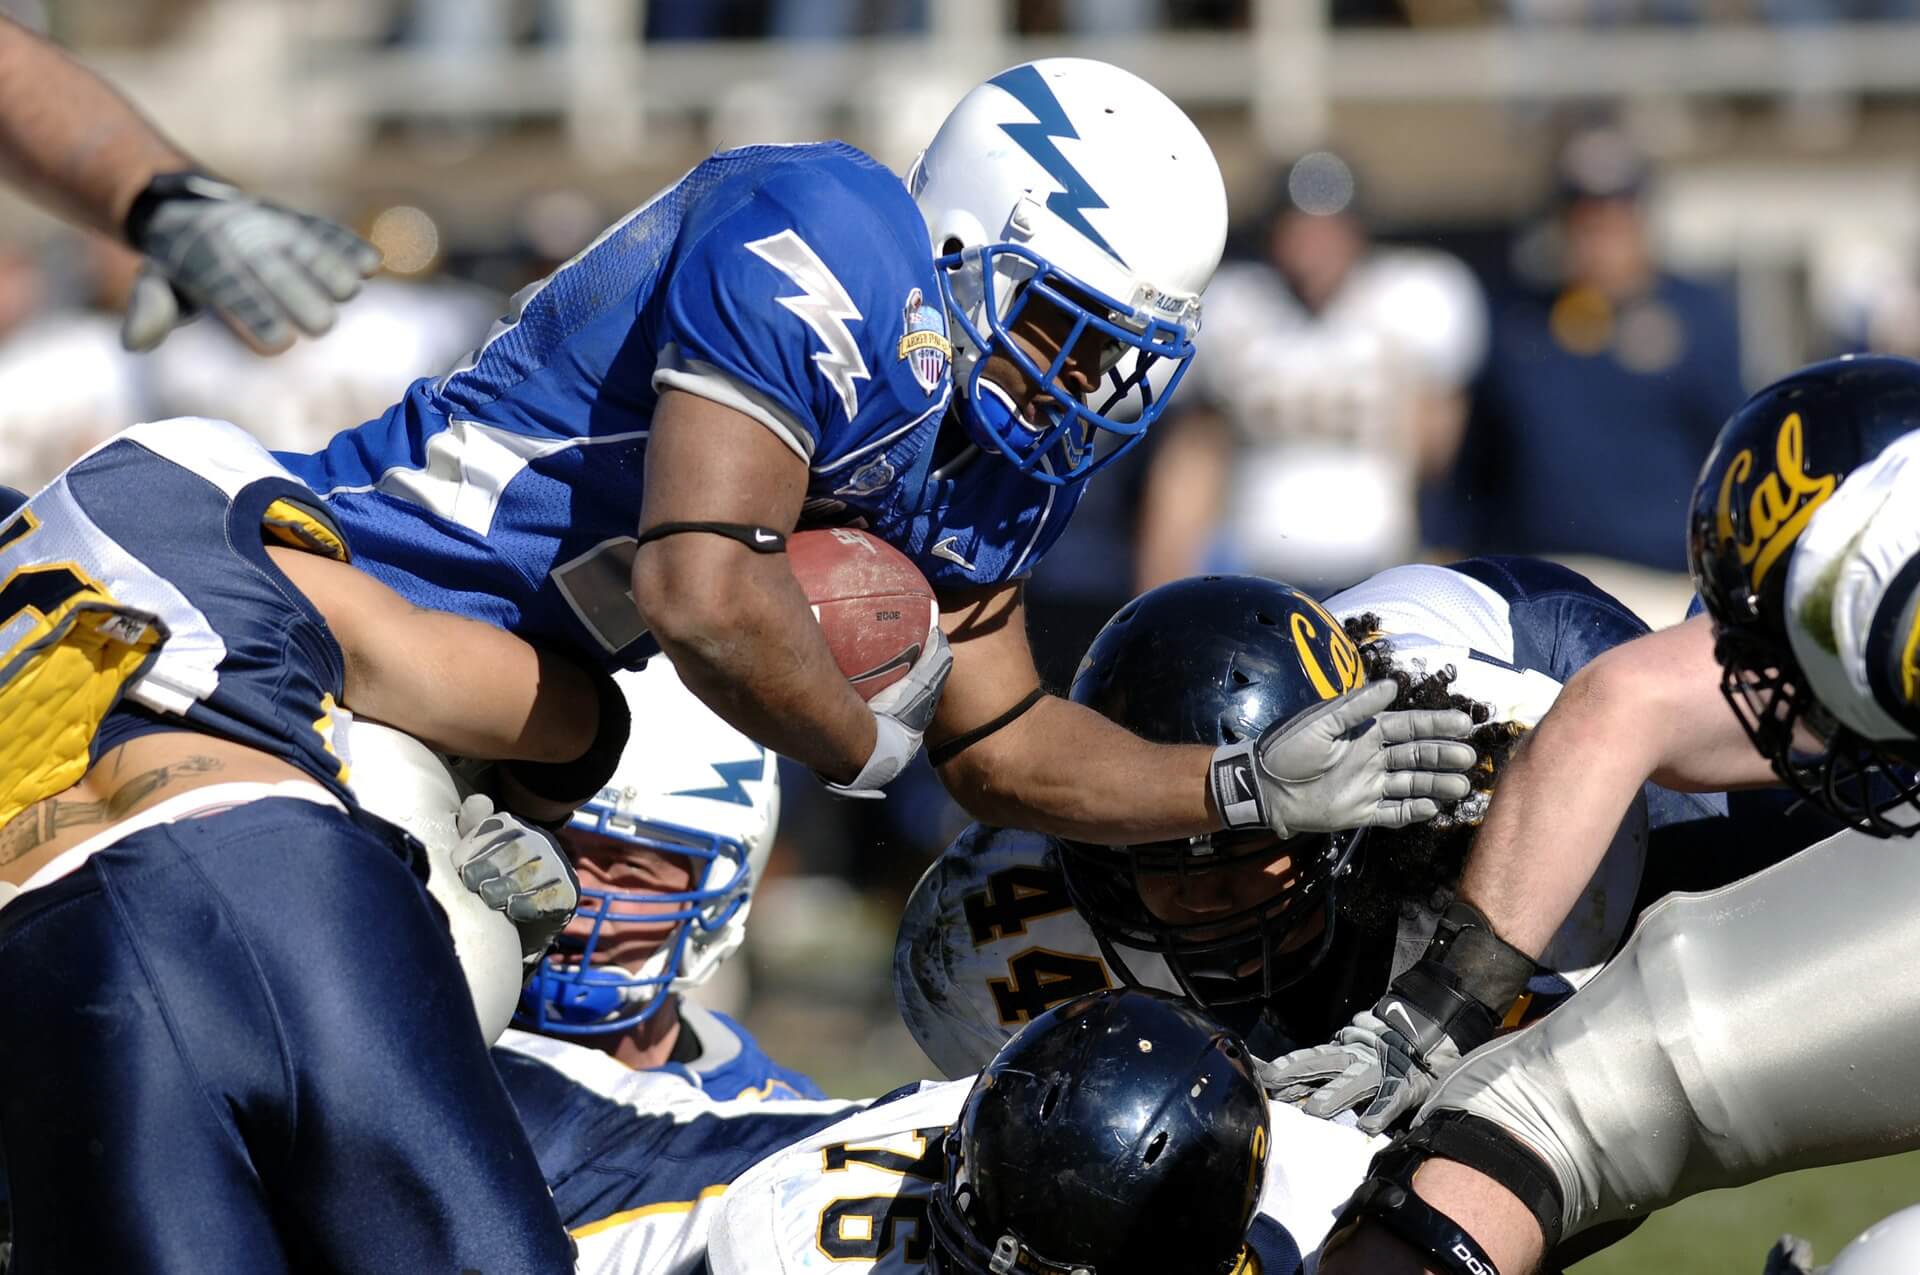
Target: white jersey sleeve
(854, 1197)
(989, 941)
(1438, 618)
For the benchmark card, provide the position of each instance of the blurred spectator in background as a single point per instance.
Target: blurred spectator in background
(65, 381)
(1602, 395)
(1331, 386)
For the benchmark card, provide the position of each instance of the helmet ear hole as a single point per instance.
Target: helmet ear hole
(1155, 1147)
(950, 245)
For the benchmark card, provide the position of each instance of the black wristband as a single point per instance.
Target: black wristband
(1482, 964)
(1451, 1013)
(1482, 1145)
(190, 183)
(758, 539)
(960, 743)
(572, 782)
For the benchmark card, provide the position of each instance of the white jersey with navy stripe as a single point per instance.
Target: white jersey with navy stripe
(853, 1198)
(638, 1160)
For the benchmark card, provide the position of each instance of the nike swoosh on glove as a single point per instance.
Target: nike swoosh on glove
(1346, 763)
(264, 269)
(1371, 1062)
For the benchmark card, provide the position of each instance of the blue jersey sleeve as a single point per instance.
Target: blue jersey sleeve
(790, 302)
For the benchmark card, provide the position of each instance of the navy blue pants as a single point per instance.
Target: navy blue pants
(242, 1043)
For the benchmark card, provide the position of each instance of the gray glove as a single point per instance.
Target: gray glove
(1346, 763)
(901, 715)
(519, 871)
(266, 270)
(1791, 1255)
(1371, 1061)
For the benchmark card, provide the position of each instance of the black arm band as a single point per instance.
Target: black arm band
(1387, 1196)
(572, 782)
(758, 539)
(1438, 1239)
(960, 743)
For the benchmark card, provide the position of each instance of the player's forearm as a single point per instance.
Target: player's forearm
(1490, 1213)
(1065, 770)
(68, 139)
(746, 643)
(1650, 709)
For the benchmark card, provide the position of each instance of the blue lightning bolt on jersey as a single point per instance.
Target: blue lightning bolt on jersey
(794, 284)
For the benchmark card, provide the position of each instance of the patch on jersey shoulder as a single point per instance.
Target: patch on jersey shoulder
(924, 346)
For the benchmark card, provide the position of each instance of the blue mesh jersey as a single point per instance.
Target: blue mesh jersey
(794, 284)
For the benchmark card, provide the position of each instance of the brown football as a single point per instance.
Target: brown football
(874, 606)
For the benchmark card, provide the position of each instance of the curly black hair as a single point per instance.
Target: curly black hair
(1402, 867)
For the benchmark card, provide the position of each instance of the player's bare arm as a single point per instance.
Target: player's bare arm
(1040, 770)
(68, 139)
(1486, 1210)
(732, 620)
(1649, 709)
(418, 671)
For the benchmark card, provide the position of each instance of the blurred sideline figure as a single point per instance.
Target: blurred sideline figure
(1334, 386)
(1602, 391)
(76, 146)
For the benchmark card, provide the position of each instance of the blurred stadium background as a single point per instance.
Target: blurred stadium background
(1658, 203)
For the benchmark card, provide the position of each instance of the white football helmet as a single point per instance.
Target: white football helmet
(1890, 1246)
(1081, 184)
(689, 785)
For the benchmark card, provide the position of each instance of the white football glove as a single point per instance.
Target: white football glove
(901, 714)
(1346, 763)
(517, 870)
(1371, 1061)
(266, 270)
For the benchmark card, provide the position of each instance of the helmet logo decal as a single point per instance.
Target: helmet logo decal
(1780, 505)
(1341, 652)
(1070, 203)
(733, 782)
(924, 346)
(824, 306)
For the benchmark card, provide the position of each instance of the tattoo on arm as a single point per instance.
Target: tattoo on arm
(46, 819)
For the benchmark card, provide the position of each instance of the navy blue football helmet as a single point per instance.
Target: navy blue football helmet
(11, 502)
(1215, 660)
(1777, 463)
(1123, 1133)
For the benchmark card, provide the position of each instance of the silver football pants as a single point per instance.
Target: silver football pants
(1770, 1025)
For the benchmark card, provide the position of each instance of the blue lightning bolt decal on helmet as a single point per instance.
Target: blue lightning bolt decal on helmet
(661, 805)
(1093, 235)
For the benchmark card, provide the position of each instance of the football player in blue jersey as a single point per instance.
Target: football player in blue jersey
(195, 913)
(790, 336)
(668, 854)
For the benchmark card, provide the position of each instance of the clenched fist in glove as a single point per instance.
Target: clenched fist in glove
(1346, 763)
(901, 715)
(519, 871)
(1390, 1058)
(264, 269)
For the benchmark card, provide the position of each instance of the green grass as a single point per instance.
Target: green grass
(1729, 1232)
